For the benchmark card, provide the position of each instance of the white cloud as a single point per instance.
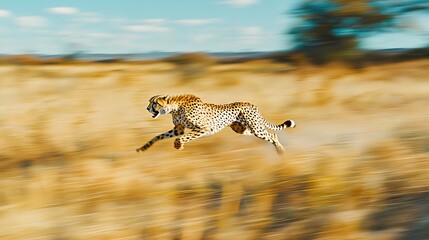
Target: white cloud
(251, 30)
(201, 38)
(251, 35)
(239, 3)
(63, 10)
(99, 35)
(64, 34)
(145, 28)
(117, 20)
(31, 21)
(4, 13)
(198, 22)
(154, 20)
(87, 18)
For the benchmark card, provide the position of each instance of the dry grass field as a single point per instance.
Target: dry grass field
(356, 166)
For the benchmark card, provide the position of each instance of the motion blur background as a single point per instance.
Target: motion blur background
(76, 77)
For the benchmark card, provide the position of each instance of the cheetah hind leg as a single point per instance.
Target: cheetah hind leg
(270, 137)
(279, 148)
(240, 128)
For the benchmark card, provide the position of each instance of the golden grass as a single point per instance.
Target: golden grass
(355, 168)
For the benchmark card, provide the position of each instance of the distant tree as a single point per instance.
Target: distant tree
(331, 29)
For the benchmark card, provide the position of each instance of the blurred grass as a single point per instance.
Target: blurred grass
(356, 166)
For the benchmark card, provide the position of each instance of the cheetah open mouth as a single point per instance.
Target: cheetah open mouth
(156, 114)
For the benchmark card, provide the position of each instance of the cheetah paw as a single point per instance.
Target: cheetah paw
(280, 150)
(178, 144)
(141, 149)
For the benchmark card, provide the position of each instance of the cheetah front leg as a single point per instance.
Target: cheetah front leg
(193, 134)
(176, 131)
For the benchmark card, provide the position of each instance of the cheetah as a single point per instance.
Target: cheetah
(189, 111)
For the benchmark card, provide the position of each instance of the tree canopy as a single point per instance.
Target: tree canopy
(332, 28)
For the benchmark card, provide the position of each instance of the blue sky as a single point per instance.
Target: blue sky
(134, 26)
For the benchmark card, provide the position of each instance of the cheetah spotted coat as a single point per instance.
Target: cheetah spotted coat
(188, 111)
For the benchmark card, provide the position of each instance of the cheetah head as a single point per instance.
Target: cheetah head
(158, 105)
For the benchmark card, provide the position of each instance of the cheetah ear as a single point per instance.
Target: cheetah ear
(163, 100)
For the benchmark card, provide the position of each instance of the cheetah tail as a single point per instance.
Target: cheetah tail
(286, 124)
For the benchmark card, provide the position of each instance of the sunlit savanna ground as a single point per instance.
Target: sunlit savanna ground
(356, 166)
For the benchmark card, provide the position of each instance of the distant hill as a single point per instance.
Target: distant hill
(152, 55)
(367, 57)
